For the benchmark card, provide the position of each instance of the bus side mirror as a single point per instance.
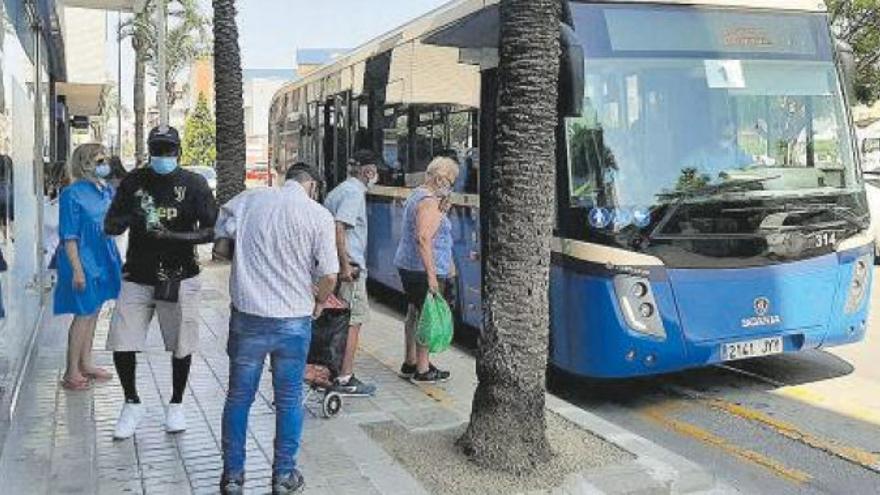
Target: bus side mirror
(571, 74)
(847, 60)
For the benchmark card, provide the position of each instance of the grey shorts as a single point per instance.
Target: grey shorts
(355, 294)
(179, 322)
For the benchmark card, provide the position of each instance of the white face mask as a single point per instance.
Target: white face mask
(372, 181)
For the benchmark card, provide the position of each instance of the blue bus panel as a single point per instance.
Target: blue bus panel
(802, 302)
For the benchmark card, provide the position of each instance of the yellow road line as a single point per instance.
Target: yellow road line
(855, 455)
(660, 415)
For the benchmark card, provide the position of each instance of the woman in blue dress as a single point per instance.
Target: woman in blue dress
(89, 265)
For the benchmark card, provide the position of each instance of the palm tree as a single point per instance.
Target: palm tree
(229, 102)
(185, 41)
(507, 430)
(140, 29)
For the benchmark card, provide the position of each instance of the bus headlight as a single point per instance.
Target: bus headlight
(858, 286)
(638, 305)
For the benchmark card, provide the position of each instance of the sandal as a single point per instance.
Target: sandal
(99, 374)
(76, 385)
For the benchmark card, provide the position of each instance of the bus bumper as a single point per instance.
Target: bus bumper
(590, 336)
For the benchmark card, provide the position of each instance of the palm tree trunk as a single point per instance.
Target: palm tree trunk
(507, 430)
(229, 103)
(140, 77)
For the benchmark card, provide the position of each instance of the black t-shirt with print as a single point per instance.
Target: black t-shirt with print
(181, 201)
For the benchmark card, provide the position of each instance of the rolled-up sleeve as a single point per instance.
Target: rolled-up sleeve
(324, 247)
(347, 210)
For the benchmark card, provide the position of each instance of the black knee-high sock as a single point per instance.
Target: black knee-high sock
(179, 377)
(126, 369)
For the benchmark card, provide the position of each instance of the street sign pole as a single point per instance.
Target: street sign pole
(119, 83)
(160, 50)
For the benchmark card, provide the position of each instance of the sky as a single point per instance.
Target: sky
(270, 31)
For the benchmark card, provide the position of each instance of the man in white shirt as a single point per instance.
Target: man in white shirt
(272, 308)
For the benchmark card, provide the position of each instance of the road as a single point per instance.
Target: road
(795, 424)
(806, 423)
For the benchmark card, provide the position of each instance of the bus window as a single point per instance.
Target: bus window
(592, 165)
(429, 142)
(395, 136)
(342, 137)
(462, 139)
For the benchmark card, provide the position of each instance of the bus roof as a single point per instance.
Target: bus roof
(455, 10)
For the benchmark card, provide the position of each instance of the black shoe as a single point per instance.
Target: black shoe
(289, 484)
(407, 371)
(353, 388)
(433, 375)
(231, 485)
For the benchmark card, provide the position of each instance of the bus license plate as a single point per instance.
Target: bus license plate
(751, 348)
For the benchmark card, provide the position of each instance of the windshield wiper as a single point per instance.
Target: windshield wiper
(702, 192)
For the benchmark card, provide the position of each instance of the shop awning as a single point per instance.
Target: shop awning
(123, 5)
(86, 100)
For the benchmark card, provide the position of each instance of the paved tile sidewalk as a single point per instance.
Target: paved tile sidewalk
(61, 442)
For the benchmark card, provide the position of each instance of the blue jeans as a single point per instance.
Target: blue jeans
(286, 341)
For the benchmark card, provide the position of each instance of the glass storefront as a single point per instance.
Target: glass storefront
(24, 104)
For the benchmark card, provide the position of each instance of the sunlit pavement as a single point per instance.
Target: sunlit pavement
(61, 442)
(806, 423)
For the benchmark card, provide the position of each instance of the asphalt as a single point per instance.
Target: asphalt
(795, 424)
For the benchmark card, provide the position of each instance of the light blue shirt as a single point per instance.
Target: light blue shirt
(348, 204)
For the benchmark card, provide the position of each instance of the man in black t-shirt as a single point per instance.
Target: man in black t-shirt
(168, 211)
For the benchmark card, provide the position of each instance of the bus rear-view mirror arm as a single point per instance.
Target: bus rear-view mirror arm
(571, 75)
(847, 60)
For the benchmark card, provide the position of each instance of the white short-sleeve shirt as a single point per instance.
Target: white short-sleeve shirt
(284, 240)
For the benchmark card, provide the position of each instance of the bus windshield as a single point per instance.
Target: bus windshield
(705, 97)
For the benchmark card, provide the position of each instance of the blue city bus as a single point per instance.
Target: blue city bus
(710, 205)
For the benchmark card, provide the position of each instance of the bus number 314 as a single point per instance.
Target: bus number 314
(825, 239)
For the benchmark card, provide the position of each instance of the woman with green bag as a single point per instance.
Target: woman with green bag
(424, 261)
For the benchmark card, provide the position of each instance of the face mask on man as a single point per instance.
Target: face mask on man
(373, 180)
(102, 171)
(163, 165)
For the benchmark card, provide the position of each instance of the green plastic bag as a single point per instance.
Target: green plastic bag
(435, 324)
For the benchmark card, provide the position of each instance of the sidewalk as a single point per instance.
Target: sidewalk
(60, 442)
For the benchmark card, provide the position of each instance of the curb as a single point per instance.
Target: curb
(656, 470)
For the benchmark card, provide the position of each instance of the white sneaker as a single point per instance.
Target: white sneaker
(175, 418)
(129, 418)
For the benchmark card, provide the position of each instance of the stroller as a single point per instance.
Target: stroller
(329, 337)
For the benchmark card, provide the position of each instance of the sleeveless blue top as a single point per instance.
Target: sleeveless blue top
(407, 256)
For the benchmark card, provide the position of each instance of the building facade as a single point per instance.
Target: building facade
(39, 102)
(260, 86)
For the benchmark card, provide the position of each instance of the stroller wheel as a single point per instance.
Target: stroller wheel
(332, 404)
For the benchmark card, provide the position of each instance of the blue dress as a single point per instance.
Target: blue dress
(83, 206)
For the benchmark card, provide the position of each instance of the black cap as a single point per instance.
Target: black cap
(300, 168)
(160, 142)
